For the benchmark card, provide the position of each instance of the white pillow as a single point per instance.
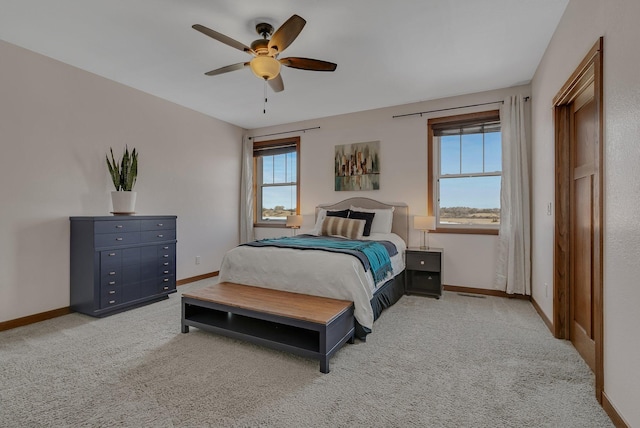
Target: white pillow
(317, 229)
(382, 221)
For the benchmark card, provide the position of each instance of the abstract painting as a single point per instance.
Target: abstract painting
(357, 166)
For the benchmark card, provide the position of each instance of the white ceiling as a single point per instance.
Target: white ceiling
(389, 52)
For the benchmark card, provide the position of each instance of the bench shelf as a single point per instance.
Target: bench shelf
(277, 319)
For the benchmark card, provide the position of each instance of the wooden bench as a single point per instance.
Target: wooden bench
(310, 326)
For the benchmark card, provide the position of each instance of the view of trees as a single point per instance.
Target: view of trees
(470, 215)
(277, 212)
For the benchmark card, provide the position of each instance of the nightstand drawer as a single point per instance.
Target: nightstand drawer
(425, 282)
(423, 261)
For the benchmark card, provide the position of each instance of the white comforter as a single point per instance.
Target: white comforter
(315, 272)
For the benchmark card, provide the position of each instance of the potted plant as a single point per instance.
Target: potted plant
(123, 174)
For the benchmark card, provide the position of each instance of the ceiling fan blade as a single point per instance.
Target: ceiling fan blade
(228, 68)
(286, 34)
(308, 64)
(276, 83)
(222, 38)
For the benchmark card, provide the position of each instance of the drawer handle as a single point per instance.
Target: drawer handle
(165, 248)
(165, 280)
(118, 239)
(421, 262)
(165, 264)
(111, 302)
(165, 288)
(118, 226)
(160, 236)
(112, 273)
(112, 283)
(166, 272)
(112, 291)
(160, 224)
(112, 254)
(166, 256)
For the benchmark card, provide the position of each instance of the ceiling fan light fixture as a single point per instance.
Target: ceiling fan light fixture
(265, 67)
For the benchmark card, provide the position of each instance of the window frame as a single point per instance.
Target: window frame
(257, 179)
(432, 169)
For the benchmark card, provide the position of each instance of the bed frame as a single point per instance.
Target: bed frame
(394, 289)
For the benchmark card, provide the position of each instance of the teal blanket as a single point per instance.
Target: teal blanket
(374, 255)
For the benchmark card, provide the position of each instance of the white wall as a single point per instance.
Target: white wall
(583, 23)
(469, 260)
(56, 125)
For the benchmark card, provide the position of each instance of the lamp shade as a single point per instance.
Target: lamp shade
(265, 67)
(294, 221)
(424, 222)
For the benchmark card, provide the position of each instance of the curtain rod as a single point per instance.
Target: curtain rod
(285, 132)
(450, 108)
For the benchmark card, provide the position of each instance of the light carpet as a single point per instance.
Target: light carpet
(455, 362)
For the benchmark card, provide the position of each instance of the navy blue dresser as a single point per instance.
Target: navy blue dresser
(120, 262)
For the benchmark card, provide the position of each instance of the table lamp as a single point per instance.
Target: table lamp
(294, 222)
(424, 223)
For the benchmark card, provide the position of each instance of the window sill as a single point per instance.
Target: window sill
(271, 225)
(463, 231)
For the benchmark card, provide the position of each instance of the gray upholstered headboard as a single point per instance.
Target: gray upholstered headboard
(400, 213)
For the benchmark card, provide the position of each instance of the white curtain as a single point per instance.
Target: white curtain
(513, 272)
(246, 191)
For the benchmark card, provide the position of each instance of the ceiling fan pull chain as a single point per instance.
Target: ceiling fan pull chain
(264, 106)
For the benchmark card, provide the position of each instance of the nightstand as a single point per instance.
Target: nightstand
(423, 273)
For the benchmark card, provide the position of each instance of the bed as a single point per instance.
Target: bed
(329, 274)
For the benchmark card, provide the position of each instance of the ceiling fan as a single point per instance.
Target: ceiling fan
(265, 63)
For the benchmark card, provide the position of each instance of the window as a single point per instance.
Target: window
(465, 172)
(276, 172)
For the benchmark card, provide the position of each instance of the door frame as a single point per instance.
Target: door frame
(589, 71)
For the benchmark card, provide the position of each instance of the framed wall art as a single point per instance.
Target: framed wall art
(357, 166)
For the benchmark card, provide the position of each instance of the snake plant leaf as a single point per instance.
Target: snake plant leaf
(133, 170)
(114, 170)
(125, 172)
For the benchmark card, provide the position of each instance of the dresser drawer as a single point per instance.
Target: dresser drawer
(111, 301)
(158, 260)
(158, 235)
(110, 276)
(161, 224)
(119, 275)
(116, 226)
(114, 239)
(110, 259)
(108, 294)
(158, 253)
(166, 270)
(423, 261)
(166, 252)
(167, 284)
(167, 249)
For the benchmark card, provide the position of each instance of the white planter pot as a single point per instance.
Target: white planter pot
(123, 202)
